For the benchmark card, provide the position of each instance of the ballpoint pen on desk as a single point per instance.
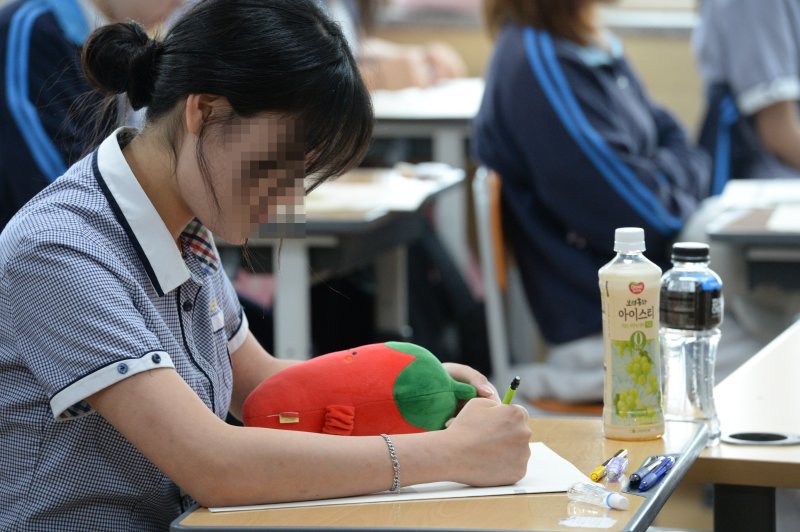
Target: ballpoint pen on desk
(512, 389)
(652, 478)
(600, 471)
(651, 463)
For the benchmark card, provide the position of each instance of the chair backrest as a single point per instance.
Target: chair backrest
(486, 198)
(510, 323)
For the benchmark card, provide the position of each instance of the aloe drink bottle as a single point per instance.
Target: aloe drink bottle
(629, 291)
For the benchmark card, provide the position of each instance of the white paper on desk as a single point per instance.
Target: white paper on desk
(547, 473)
(392, 192)
(754, 193)
(457, 99)
(785, 218)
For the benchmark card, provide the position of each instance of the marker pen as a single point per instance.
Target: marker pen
(600, 471)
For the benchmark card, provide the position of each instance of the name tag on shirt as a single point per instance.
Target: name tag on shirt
(217, 320)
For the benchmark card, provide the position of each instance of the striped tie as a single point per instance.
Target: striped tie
(200, 242)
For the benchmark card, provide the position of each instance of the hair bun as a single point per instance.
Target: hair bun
(122, 58)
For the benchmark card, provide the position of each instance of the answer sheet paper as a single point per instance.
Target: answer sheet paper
(785, 218)
(547, 473)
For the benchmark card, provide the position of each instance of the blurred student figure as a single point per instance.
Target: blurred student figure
(581, 149)
(43, 91)
(749, 56)
(389, 65)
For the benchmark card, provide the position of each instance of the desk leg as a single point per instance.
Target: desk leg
(292, 299)
(391, 300)
(744, 508)
(451, 220)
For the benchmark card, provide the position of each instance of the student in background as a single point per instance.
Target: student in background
(749, 56)
(581, 149)
(122, 345)
(43, 95)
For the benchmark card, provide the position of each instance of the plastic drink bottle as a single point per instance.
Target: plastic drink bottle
(692, 308)
(629, 291)
(597, 495)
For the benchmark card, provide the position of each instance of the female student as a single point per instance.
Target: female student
(122, 345)
(581, 150)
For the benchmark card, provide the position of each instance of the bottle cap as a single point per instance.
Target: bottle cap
(627, 239)
(690, 252)
(617, 501)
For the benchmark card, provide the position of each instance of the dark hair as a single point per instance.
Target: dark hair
(279, 56)
(568, 19)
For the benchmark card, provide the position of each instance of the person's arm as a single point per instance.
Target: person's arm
(756, 48)
(251, 364)
(219, 464)
(778, 127)
(392, 66)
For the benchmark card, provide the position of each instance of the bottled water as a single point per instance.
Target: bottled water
(691, 311)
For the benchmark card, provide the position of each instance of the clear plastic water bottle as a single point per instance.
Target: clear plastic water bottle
(691, 306)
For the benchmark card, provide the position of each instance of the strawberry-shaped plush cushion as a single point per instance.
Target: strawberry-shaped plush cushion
(389, 388)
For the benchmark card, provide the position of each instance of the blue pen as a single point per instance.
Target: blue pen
(649, 465)
(654, 476)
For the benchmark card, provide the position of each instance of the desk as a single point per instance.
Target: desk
(366, 215)
(444, 114)
(761, 396)
(772, 256)
(578, 440)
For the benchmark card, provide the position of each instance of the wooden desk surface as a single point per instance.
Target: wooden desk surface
(763, 395)
(578, 440)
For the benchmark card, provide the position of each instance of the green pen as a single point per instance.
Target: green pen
(512, 389)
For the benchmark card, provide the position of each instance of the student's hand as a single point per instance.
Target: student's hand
(491, 443)
(392, 66)
(444, 62)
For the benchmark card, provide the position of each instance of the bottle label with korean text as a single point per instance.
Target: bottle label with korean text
(630, 297)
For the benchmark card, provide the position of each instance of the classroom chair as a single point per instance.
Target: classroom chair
(514, 336)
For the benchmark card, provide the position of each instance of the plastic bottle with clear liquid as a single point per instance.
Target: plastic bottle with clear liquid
(691, 311)
(629, 292)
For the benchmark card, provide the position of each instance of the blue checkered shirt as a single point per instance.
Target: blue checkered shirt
(94, 290)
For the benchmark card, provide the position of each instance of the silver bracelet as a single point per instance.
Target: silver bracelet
(395, 463)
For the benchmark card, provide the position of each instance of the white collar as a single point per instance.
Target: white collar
(159, 253)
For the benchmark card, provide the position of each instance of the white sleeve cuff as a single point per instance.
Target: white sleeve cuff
(765, 94)
(238, 338)
(70, 402)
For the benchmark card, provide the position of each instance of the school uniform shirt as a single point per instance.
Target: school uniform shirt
(749, 56)
(45, 101)
(94, 290)
(581, 150)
